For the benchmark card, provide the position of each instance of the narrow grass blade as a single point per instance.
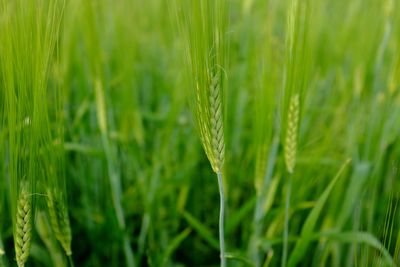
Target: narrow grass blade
(174, 245)
(201, 229)
(359, 237)
(303, 243)
(343, 237)
(239, 258)
(237, 216)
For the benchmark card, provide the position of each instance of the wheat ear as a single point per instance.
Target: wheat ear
(217, 129)
(23, 228)
(291, 133)
(60, 222)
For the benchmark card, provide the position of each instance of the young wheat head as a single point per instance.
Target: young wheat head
(23, 227)
(59, 222)
(291, 133)
(216, 121)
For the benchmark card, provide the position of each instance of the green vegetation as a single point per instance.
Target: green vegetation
(199, 133)
(204, 31)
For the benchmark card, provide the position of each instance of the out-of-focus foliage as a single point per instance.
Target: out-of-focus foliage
(140, 189)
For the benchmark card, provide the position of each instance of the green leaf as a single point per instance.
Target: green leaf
(358, 237)
(306, 232)
(201, 229)
(239, 258)
(174, 245)
(237, 216)
(344, 237)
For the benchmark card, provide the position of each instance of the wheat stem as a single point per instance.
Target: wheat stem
(70, 260)
(286, 226)
(221, 219)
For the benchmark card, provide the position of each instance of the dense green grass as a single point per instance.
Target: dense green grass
(97, 113)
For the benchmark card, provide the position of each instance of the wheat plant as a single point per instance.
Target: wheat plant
(203, 28)
(290, 160)
(29, 32)
(263, 77)
(295, 82)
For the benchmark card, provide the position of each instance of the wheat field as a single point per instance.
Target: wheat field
(173, 133)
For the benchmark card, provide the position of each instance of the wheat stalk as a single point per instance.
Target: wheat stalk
(59, 222)
(291, 133)
(218, 149)
(204, 29)
(23, 227)
(290, 161)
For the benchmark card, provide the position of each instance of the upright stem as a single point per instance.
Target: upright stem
(221, 220)
(71, 261)
(286, 227)
(261, 196)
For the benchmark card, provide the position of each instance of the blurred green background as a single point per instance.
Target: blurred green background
(124, 60)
